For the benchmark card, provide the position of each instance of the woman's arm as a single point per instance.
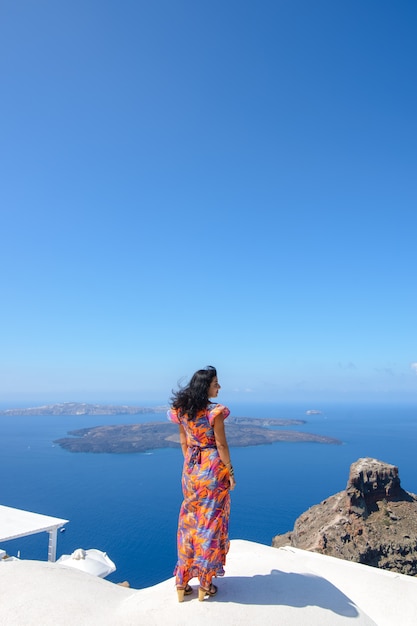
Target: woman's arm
(183, 439)
(222, 446)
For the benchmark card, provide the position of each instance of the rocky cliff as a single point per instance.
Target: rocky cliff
(374, 521)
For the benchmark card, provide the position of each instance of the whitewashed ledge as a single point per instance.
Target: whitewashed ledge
(263, 585)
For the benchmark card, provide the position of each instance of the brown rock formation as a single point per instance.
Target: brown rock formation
(374, 521)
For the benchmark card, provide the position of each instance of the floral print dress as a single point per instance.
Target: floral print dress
(203, 522)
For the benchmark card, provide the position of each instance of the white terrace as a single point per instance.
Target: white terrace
(263, 585)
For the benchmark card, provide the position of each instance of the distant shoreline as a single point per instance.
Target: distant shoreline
(83, 408)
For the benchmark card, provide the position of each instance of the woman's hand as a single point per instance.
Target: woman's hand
(232, 483)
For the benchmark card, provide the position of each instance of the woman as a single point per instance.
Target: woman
(207, 479)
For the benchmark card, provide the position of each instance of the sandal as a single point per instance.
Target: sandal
(202, 593)
(184, 591)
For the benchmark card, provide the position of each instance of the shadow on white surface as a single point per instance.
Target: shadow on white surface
(285, 589)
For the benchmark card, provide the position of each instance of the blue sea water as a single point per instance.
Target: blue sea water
(127, 504)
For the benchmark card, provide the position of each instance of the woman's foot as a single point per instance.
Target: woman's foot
(183, 591)
(202, 593)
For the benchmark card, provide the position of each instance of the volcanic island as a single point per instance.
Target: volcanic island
(131, 438)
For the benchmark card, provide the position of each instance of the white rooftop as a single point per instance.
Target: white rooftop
(16, 523)
(263, 585)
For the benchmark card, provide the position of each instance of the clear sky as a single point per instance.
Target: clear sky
(188, 183)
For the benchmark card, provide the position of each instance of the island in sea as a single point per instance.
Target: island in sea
(128, 438)
(82, 408)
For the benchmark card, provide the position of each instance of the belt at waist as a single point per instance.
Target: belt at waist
(195, 453)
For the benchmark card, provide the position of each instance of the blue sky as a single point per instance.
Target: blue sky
(188, 183)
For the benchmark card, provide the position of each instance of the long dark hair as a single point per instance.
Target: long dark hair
(194, 397)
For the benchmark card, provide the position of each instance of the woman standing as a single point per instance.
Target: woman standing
(207, 479)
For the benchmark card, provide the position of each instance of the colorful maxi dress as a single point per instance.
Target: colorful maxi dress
(203, 523)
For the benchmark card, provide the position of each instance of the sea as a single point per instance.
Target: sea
(127, 504)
